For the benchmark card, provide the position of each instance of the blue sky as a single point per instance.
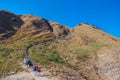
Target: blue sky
(102, 13)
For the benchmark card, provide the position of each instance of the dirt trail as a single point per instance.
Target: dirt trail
(43, 75)
(28, 76)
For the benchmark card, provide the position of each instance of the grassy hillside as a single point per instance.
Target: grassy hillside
(12, 51)
(74, 48)
(60, 52)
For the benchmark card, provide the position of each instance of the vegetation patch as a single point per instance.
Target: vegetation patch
(41, 54)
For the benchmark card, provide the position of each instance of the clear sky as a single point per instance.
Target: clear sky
(102, 13)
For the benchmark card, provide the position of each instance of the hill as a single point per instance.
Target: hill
(84, 52)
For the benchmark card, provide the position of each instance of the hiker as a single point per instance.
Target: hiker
(26, 53)
(30, 64)
(25, 61)
(34, 70)
(38, 69)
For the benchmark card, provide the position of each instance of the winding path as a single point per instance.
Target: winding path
(37, 43)
(30, 75)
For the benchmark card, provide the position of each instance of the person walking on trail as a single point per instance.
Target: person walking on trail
(30, 64)
(35, 70)
(26, 53)
(25, 61)
(38, 69)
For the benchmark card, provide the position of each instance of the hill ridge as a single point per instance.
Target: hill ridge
(75, 53)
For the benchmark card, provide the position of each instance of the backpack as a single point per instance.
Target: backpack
(38, 69)
(34, 69)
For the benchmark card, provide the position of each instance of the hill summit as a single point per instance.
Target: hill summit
(84, 52)
(11, 23)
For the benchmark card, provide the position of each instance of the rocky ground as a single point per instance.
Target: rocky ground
(108, 63)
(26, 76)
(43, 75)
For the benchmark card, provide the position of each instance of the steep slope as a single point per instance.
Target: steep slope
(9, 23)
(59, 30)
(34, 25)
(81, 47)
(84, 52)
(29, 30)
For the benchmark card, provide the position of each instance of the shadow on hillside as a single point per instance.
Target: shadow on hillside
(9, 24)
